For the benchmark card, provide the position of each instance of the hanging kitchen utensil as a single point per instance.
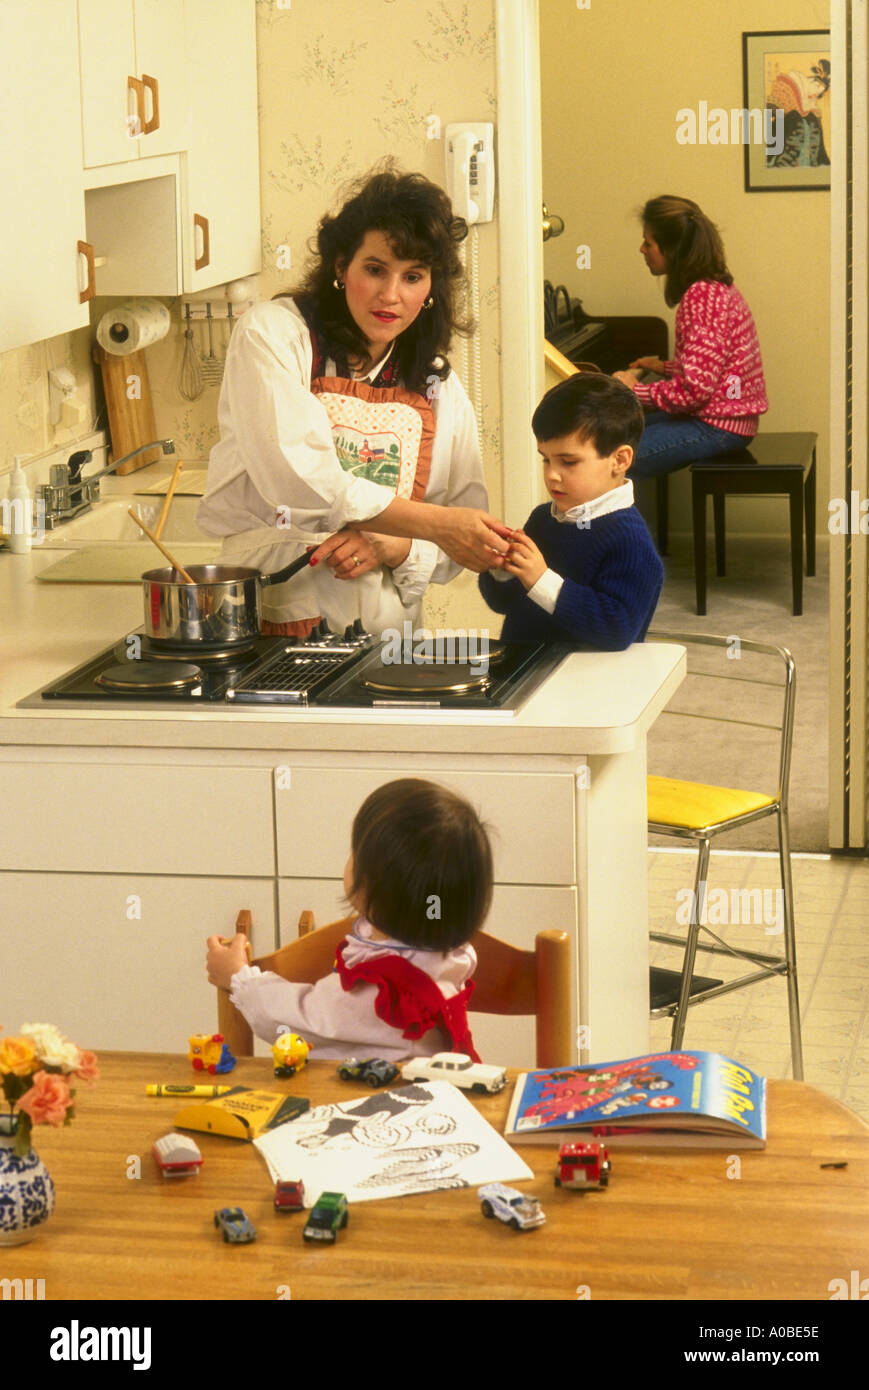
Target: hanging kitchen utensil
(161, 547)
(211, 366)
(190, 384)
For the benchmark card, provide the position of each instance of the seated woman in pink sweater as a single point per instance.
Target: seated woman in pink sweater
(713, 390)
(420, 877)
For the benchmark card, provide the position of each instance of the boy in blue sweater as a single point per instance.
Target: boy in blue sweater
(584, 569)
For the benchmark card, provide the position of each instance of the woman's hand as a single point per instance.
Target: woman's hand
(223, 961)
(471, 538)
(524, 560)
(350, 554)
(627, 378)
(650, 364)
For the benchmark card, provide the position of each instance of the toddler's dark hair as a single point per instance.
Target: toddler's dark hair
(422, 864)
(603, 412)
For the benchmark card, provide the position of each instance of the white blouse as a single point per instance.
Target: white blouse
(276, 459)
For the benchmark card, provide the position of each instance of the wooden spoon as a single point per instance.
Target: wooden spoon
(161, 547)
(170, 492)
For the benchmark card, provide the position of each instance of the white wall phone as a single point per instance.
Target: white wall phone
(471, 170)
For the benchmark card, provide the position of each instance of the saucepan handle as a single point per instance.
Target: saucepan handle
(281, 576)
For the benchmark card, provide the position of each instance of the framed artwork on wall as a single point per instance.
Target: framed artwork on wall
(786, 90)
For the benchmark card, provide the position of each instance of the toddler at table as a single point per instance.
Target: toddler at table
(420, 877)
(584, 569)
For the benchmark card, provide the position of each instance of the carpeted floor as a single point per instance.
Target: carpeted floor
(752, 601)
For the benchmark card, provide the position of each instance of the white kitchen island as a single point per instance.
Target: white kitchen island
(129, 836)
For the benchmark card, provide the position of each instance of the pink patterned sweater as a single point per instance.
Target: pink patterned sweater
(716, 373)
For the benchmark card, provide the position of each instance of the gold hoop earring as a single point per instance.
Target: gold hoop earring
(337, 284)
(427, 303)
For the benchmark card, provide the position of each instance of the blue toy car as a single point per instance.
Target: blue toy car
(237, 1228)
(374, 1071)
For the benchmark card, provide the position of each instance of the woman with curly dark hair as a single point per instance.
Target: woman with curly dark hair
(343, 426)
(713, 390)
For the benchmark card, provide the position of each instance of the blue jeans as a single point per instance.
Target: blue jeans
(672, 441)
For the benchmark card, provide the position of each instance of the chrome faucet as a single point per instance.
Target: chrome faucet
(68, 494)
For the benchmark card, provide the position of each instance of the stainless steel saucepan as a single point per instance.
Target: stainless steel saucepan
(222, 608)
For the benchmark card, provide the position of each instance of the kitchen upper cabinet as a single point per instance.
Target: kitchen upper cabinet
(42, 214)
(220, 199)
(133, 75)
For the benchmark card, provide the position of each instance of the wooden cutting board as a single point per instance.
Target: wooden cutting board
(129, 407)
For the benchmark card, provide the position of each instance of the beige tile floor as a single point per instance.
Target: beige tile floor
(831, 898)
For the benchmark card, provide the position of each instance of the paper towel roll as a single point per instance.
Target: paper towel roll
(133, 325)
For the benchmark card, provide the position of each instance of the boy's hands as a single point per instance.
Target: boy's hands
(223, 961)
(524, 560)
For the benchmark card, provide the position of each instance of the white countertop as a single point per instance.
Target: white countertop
(596, 702)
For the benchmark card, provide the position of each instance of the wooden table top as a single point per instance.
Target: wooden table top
(670, 1225)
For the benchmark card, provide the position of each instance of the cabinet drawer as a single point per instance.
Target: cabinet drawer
(530, 818)
(125, 818)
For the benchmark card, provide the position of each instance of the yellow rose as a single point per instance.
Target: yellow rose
(17, 1056)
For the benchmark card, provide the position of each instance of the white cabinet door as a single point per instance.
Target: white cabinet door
(42, 214)
(118, 961)
(220, 186)
(134, 91)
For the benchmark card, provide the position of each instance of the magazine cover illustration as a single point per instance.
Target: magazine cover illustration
(668, 1090)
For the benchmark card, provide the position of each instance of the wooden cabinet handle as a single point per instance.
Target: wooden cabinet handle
(135, 124)
(85, 249)
(153, 87)
(202, 224)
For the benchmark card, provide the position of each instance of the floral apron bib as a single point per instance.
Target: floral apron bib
(381, 431)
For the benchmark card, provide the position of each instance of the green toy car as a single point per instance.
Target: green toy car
(328, 1215)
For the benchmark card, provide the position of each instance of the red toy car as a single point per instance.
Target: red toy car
(290, 1196)
(583, 1165)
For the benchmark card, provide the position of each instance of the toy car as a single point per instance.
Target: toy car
(458, 1068)
(583, 1165)
(290, 1053)
(237, 1229)
(177, 1156)
(208, 1052)
(290, 1196)
(328, 1214)
(514, 1208)
(374, 1071)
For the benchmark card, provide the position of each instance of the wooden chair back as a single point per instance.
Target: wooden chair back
(508, 981)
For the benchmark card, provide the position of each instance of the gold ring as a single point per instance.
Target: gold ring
(356, 560)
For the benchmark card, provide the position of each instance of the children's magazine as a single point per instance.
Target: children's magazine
(680, 1099)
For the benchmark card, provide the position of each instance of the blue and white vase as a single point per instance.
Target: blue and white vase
(26, 1189)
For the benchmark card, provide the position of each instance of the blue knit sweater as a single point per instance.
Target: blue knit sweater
(612, 579)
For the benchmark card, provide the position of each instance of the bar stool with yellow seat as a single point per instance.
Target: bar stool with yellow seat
(698, 812)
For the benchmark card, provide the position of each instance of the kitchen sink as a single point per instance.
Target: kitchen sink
(107, 523)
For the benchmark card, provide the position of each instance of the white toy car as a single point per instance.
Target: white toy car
(515, 1208)
(458, 1068)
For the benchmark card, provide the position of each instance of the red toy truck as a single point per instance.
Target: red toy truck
(583, 1165)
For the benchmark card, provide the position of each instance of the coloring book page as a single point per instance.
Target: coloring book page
(391, 1143)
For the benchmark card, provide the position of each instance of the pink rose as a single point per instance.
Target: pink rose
(87, 1069)
(47, 1101)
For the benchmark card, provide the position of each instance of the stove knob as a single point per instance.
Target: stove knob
(349, 634)
(358, 629)
(320, 631)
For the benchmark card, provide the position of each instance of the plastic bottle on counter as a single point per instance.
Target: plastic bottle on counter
(20, 511)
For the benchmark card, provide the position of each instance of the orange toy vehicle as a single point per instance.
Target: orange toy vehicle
(208, 1052)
